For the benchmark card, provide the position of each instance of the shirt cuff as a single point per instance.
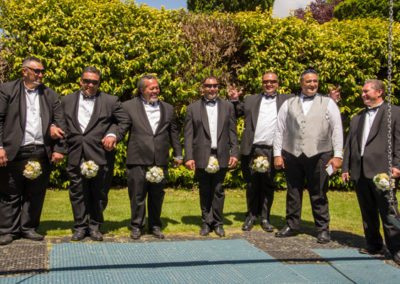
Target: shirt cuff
(338, 154)
(178, 158)
(277, 153)
(111, 134)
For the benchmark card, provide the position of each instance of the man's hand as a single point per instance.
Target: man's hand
(395, 172)
(177, 162)
(232, 162)
(234, 93)
(345, 177)
(56, 132)
(109, 142)
(56, 157)
(3, 158)
(336, 163)
(279, 163)
(190, 165)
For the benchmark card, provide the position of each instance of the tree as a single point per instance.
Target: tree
(351, 9)
(228, 6)
(321, 10)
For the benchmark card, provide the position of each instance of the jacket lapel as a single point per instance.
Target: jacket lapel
(162, 118)
(22, 106)
(360, 128)
(96, 113)
(377, 123)
(75, 110)
(256, 110)
(44, 111)
(221, 117)
(204, 117)
(142, 115)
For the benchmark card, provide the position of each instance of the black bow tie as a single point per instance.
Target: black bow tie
(31, 91)
(372, 109)
(308, 98)
(269, 97)
(88, 97)
(211, 102)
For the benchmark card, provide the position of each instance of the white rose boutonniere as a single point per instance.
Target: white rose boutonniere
(260, 164)
(32, 170)
(155, 174)
(89, 169)
(213, 165)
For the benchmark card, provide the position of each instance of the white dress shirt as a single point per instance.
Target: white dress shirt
(85, 110)
(266, 122)
(212, 114)
(153, 115)
(369, 120)
(33, 124)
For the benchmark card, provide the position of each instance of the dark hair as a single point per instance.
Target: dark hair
(141, 85)
(308, 71)
(91, 69)
(30, 59)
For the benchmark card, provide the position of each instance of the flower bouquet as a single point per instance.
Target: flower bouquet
(32, 170)
(382, 181)
(260, 164)
(213, 165)
(155, 174)
(89, 169)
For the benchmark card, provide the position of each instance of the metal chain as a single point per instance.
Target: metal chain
(389, 116)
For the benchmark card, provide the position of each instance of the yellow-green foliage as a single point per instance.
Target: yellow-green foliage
(125, 41)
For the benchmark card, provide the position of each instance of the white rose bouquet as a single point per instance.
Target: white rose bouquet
(382, 181)
(155, 174)
(213, 165)
(89, 169)
(260, 164)
(32, 170)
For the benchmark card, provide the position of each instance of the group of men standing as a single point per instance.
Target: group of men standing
(301, 135)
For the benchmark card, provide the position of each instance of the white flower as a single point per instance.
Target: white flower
(260, 164)
(381, 181)
(89, 169)
(155, 174)
(32, 170)
(213, 165)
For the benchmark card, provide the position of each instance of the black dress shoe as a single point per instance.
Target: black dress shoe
(286, 232)
(78, 236)
(96, 235)
(396, 257)
(156, 232)
(205, 230)
(324, 237)
(136, 233)
(372, 251)
(219, 231)
(266, 226)
(6, 239)
(32, 235)
(248, 224)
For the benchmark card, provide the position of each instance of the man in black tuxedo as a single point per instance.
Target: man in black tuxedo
(308, 144)
(365, 156)
(95, 123)
(27, 110)
(152, 132)
(260, 116)
(210, 130)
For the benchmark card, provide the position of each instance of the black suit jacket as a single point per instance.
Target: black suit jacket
(107, 117)
(144, 147)
(197, 134)
(375, 159)
(13, 117)
(251, 110)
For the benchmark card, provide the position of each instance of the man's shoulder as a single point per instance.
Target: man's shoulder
(69, 97)
(11, 86)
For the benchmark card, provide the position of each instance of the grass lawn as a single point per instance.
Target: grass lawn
(181, 212)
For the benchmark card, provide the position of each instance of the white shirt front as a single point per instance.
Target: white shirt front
(212, 114)
(266, 122)
(153, 115)
(369, 120)
(85, 110)
(33, 124)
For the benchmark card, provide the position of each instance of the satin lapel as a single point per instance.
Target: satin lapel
(204, 117)
(75, 110)
(221, 117)
(143, 116)
(360, 127)
(376, 125)
(162, 118)
(44, 111)
(256, 110)
(279, 102)
(95, 114)
(22, 107)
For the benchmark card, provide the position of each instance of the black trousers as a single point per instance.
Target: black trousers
(310, 171)
(86, 196)
(21, 199)
(212, 196)
(374, 203)
(260, 186)
(110, 156)
(139, 188)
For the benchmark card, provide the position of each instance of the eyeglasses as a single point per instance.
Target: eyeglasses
(88, 81)
(215, 86)
(36, 71)
(270, 81)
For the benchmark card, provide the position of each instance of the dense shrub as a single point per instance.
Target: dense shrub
(351, 9)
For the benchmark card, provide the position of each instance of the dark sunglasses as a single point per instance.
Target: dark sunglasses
(36, 71)
(270, 81)
(88, 81)
(215, 86)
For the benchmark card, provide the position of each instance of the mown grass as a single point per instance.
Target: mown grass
(181, 212)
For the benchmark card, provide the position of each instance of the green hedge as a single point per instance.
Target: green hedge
(125, 41)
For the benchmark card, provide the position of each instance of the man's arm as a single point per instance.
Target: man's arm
(233, 140)
(174, 134)
(188, 138)
(335, 122)
(280, 129)
(58, 125)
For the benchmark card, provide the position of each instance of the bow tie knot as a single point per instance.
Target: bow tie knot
(31, 91)
(88, 97)
(372, 109)
(211, 102)
(269, 97)
(308, 98)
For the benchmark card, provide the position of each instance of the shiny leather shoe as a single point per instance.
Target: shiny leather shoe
(78, 236)
(324, 237)
(205, 230)
(266, 226)
(372, 251)
(248, 224)
(396, 257)
(96, 235)
(156, 232)
(6, 239)
(32, 235)
(136, 233)
(286, 232)
(219, 231)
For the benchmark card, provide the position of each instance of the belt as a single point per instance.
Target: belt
(31, 148)
(262, 146)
